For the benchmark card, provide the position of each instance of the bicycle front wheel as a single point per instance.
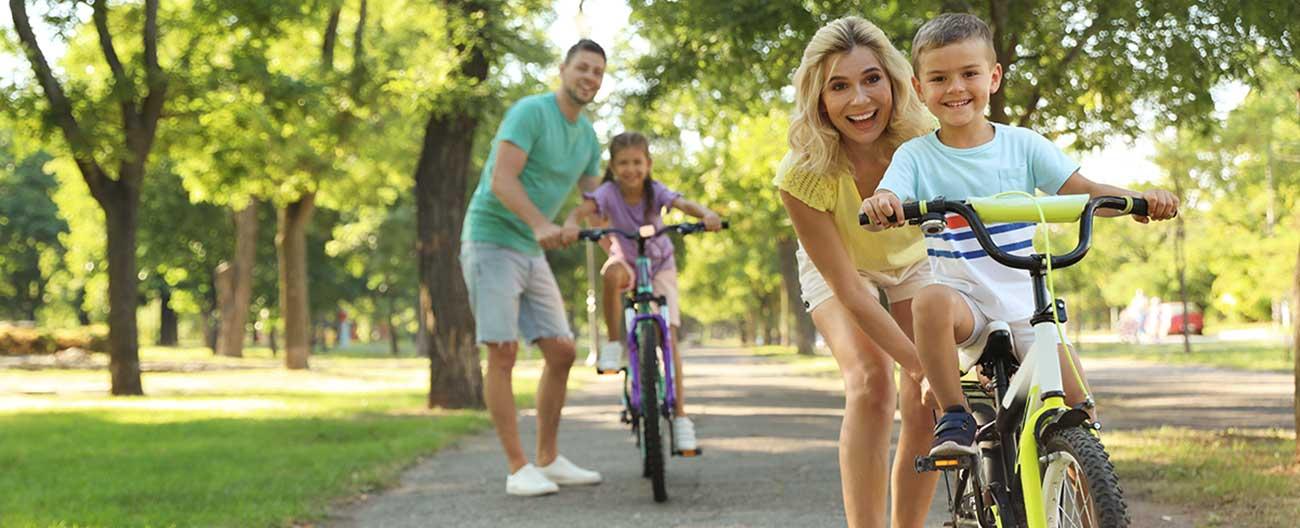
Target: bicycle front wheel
(1079, 480)
(652, 447)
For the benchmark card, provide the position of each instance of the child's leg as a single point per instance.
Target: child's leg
(1074, 393)
(616, 279)
(679, 408)
(941, 319)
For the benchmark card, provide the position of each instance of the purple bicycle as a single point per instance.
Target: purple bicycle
(643, 380)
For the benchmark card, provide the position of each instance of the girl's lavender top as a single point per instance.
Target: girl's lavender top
(628, 217)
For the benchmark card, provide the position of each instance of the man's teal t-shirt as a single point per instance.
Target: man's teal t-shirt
(559, 152)
(1017, 159)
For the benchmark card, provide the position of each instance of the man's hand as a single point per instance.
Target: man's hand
(551, 236)
(712, 222)
(1161, 205)
(879, 207)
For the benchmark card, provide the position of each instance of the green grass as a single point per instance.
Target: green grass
(237, 447)
(1228, 478)
(1268, 356)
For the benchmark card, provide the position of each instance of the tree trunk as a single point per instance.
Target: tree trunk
(1295, 354)
(455, 375)
(238, 284)
(209, 325)
(422, 332)
(291, 250)
(271, 342)
(1180, 260)
(119, 197)
(83, 317)
(456, 380)
(1004, 48)
(121, 209)
(804, 332)
(168, 331)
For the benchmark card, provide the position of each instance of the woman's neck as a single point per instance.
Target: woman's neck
(868, 165)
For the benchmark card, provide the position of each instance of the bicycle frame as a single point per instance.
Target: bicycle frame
(643, 295)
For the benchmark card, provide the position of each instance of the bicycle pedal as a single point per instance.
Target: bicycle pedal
(624, 416)
(689, 452)
(925, 464)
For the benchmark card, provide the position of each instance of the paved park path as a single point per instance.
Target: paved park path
(770, 441)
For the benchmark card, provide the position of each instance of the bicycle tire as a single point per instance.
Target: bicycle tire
(1099, 487)
(652, 446)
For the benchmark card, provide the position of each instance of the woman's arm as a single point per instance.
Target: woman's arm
(711, 220)
(816, 230)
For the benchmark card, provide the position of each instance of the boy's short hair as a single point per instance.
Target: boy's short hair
(950, 28)
(585, 45)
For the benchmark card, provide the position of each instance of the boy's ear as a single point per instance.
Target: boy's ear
(916, 85)
(996, 76)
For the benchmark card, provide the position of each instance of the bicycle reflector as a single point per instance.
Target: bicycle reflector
(646, 231)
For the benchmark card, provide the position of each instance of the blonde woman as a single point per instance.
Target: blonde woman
(853, 107)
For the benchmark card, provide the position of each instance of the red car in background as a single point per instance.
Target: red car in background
(1171, 319)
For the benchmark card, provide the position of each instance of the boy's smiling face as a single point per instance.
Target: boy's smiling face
(955, 82)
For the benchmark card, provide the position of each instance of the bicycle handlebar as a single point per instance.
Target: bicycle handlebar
(685, 229)
(930, 215)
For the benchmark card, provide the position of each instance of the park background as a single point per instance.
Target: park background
(248, 214)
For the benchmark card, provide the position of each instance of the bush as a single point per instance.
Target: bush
(21, 341)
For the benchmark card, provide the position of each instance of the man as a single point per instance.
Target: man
(541, 150)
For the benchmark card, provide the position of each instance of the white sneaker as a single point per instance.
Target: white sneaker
(684, 433)
(565, 473)
(529, 482)
(611, 358)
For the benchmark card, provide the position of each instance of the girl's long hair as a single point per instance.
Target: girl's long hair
(813, 139)
(628, 140)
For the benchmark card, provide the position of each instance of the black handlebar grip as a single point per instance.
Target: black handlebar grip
(863, 219)
(726, 224)
(1139, 207)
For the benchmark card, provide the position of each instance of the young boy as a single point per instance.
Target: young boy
(956, 71)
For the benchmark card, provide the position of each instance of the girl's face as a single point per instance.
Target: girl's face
(631, 166)
(858, 97)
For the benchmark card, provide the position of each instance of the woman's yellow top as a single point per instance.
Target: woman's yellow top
(881, 251)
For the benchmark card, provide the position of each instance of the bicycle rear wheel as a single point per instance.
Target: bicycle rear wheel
(1079, 474)
(652, 447)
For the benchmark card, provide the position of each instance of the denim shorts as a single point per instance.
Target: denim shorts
(511, 293)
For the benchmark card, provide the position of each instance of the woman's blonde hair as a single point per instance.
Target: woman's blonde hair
(813, 139)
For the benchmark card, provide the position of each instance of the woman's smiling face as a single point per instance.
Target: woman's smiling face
(858, 97)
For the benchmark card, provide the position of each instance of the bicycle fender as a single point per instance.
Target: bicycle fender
(1059, 418)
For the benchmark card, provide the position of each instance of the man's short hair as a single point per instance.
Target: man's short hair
(950, 28)
(585, 45)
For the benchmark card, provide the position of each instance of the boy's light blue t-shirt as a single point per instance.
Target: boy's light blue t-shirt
(559, 152)
(1017, 159)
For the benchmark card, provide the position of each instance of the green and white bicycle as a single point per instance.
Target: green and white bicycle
(1041, 462)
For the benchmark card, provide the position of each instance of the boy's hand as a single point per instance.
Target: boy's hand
(880, 207)
(712, 222)
(928, 398)
(1161, 205)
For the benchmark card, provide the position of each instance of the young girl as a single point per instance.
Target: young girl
(628, 199)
